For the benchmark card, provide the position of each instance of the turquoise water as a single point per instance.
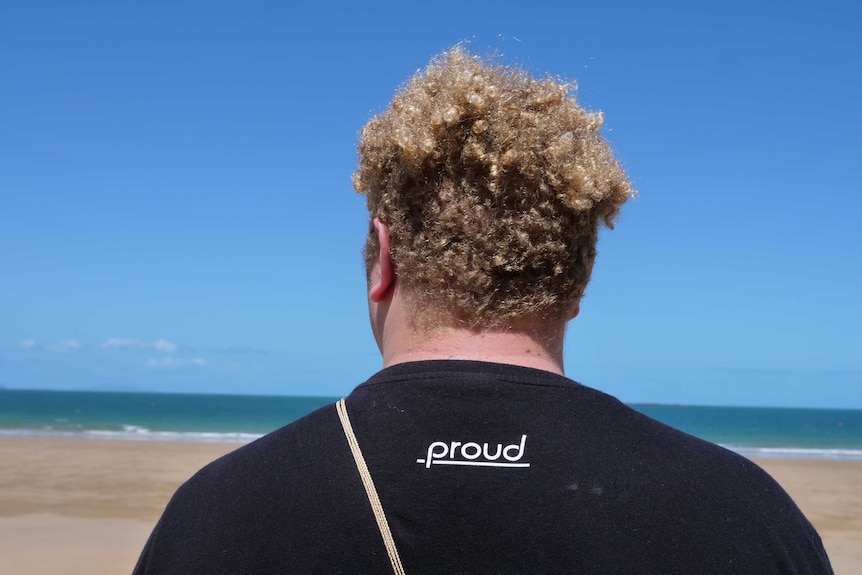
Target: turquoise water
(163, 416)
(818, 433)
(768, 431)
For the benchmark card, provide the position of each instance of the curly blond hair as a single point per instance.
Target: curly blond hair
(493, 186)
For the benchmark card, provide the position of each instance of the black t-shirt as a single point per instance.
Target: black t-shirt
(483, 468)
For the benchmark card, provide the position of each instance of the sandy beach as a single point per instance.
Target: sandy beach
(80, 506)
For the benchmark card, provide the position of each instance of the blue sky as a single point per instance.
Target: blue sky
(176, 212)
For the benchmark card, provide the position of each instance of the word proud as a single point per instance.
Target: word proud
(474, 454)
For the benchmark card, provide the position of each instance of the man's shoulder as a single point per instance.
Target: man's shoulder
(263, 505)
(277, 454)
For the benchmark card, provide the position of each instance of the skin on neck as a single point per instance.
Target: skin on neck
(531, 342)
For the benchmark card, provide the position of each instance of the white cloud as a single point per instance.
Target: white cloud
(172, 362)
(165, 346)
(161, 345)
(119, 342)
(27, 344)
(65, 345)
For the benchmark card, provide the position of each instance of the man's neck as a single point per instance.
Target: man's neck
(530, 341)
(499, 346)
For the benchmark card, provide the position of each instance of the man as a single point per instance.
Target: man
(470, 452)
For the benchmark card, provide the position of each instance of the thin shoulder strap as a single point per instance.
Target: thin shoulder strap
(370, 490)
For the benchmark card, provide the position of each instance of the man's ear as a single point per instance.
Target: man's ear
(382, 274)
(575, 311)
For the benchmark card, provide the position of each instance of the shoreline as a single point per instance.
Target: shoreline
(76, 505)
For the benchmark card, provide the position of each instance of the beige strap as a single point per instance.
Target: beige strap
(368, 482)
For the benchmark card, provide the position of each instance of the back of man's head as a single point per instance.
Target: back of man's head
(493, 186)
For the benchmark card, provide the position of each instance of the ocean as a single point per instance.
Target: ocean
(752, 431)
